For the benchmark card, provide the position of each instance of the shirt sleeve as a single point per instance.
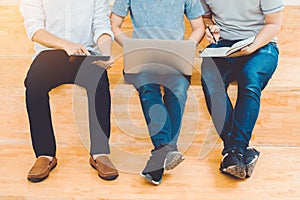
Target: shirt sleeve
(207, 11)
(193, 9)
(34, 16)
(272, 6)
(121, 7)
(101, 20)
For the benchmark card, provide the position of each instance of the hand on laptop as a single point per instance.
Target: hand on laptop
(105, 64)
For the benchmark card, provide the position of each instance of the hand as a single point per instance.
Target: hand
(243, 52)
(105, 64)
(215, 30)
(75, 49)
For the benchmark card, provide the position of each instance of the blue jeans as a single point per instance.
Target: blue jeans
(252, 73)
(163, 112)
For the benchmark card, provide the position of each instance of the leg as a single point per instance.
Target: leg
(215, 80)
(157, 119)
(216, 74)
(175, 97)
(49, 70)
(94, 79)
(252, 79)
(156, 114)
(175, 87)
(158, 122)
(253, 75)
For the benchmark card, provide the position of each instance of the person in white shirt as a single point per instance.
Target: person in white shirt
(60, 28)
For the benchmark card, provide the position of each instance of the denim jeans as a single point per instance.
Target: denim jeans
(51, 69)
(252, 73)
(162, 110)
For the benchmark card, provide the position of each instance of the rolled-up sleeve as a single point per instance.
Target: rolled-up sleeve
(193, 9)
(269, 7)
(34, 16)
(206, 8)
(101, 20)
(121, 7)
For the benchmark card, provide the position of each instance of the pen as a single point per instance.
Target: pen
(211, 33)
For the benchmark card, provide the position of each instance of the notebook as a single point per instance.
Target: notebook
(158, 56)
(226, 51)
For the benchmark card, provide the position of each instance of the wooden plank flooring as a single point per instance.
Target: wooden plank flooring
(276, 135)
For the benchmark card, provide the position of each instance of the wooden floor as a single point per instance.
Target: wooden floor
(276, 135)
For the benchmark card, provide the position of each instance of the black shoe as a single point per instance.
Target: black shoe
(155, 166)
(250, 159)
(233, 163)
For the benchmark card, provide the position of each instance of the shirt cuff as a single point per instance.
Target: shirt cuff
(119, 13)
(32, 30)
(98, 34)
(273, 10)
(195, 15)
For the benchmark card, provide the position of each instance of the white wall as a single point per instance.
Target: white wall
(291, 2)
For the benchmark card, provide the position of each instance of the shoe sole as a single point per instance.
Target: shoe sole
(108, 178)
(173, 160)
(149, 179)
(237, 171)
(250, 167)
(36, 180)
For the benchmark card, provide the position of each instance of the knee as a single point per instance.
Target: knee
(250, 91)
(212, 86)
(31, 81)
(34, 83)
(212, 81)
(102, 88)
(179, 93)
(253, 79)
(177, 87)
(42, 69)
(251, 84)
(104, 81)
(149, 91)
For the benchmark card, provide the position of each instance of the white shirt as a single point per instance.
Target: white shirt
(78, 21)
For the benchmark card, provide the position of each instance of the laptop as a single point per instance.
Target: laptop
(158, 56)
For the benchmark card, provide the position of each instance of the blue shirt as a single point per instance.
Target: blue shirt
(158, 19)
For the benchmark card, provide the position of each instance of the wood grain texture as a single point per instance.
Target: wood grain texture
(276, 134)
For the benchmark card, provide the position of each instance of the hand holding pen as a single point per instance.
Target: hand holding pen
(212, 33)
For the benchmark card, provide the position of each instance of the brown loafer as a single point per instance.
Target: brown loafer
(41, 169)
(105, 168)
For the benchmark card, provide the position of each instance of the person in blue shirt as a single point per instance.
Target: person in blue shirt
(160, 19)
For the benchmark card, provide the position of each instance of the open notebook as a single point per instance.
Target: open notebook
(226, 51)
